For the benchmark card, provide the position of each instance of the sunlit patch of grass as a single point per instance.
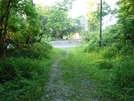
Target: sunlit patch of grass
(111, 71)
(75, 69)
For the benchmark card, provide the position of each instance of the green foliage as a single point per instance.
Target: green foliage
(34, 51)
(21, 67)
(110, 69)
(90, 40)
(124, 76)
(126, 19)
(111, 35)
(90, 47)
(105, 64)
(109, 52)
(19, 76)
(40, 50)
(23, 75)
(93, 14)
(75, 69)
(18, 24)
(55, 22)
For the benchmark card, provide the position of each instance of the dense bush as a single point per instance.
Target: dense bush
(123, 80)
(40, 50)
(90, 47)
(12, 68)
(23, 73)
(110, 67)
(35, 51)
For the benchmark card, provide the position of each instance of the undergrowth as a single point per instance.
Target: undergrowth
(109, 68)
(23, 75)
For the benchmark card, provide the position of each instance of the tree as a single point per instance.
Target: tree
(4, 16)
(96, 12)
(93, 13)
(126, 19)
(57, 18)
(18, 23)
(71, 26)
(42, 13)
(100, 36)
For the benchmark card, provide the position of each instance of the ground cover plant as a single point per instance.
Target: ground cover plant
(26, 57)
(23, 76)
(112, 75)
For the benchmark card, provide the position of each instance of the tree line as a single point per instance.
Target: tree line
(23, 23)
(122, 30)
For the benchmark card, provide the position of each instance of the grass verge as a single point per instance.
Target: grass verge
(24, 78)
(110, 70)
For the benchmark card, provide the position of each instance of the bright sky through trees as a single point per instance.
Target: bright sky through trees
(79, 6)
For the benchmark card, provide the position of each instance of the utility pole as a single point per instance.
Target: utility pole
(100, 36)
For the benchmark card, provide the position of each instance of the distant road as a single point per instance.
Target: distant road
(65, 43)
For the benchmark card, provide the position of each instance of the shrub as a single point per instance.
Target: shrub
(39, 50)
(35, 51)
(124, 75)
(109, 52)
(90, 47)
(105, 64)
(21, 77)
(12, 68)
(120, 83)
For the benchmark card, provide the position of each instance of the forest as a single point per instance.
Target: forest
(26, 55)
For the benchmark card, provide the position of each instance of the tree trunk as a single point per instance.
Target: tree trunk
(100, 36)
(3, 32)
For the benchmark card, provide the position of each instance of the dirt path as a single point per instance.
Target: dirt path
(57, 90)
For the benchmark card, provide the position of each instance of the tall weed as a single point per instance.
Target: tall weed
(110, 69)
(123, 79)
(24, 78)
(20, 76)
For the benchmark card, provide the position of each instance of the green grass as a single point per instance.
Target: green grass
(76, 69)
(23, 77)
(112, 73)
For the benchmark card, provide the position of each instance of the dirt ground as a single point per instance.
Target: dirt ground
(56, 89)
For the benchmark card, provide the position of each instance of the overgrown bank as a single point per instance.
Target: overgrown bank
(23, 75)
(111, 70)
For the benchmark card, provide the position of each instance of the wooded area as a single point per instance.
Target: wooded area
(26, 55)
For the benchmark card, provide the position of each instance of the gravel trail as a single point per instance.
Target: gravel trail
(57, 90)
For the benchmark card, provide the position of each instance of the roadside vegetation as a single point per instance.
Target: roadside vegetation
(110, 72)
(26, 55)
(109, 67)
(23, 76)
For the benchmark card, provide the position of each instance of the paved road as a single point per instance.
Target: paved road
(65, 43)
